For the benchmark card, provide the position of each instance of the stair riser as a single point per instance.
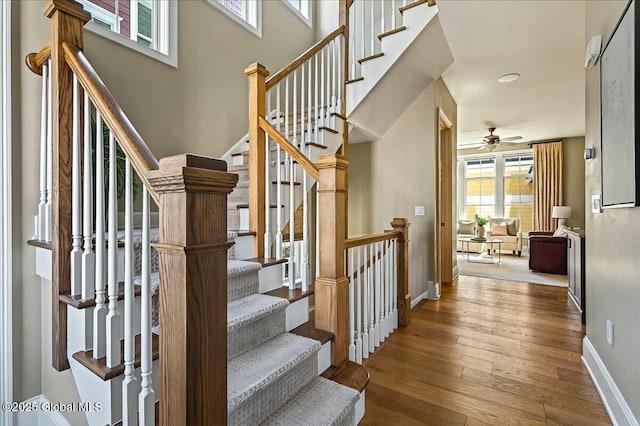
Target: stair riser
(243, 247)
(254, 334)
(242, 286)
(298, 313)
(270, 278)
(256, 408)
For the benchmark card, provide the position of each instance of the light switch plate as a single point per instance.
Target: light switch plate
(419, 211)
(610, 333)
(596, 205)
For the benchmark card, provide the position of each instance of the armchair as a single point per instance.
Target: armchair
(547, 253)
(513, 238)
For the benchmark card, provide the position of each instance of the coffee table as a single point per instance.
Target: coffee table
(490, 241)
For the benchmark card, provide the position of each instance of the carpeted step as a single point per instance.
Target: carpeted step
(262, 379)
(252, 321)
(322, 402)
(242, 279)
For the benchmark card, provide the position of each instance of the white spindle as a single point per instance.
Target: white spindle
(44, 154)
(382, 3)
(292, 210)
(100, 311)
(404, 3)
(88, 257)
(387, 289)
(393, 14)
(367, 347)
(334, 79)
(129, 406)
(48, 205)
(304, 266)
(376, 268)
(146, 400)
(358, 307)
(352, 41)
(309, 92)
(316, 110)
(362, 31)
(323, 93)
(372, 296)
(279, 212)
(303, 92)
(76, 196)
(352, 332)
(113, 316)
(385, 285)
(394, 283)
(267, 188)
(341, 78)
(295, 108)
(372, 29)
(317, 232)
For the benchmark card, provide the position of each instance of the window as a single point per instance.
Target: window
(147, 26)
(480, 187)
(518, 190)
(302, 8)
(497, 185)
(245, 12)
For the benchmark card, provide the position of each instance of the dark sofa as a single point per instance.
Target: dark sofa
(547, 253)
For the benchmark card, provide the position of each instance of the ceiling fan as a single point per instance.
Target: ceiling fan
(491, 141)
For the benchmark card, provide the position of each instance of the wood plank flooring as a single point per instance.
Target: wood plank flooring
(489, 352)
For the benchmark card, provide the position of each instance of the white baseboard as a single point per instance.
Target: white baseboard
(41, 413)
(418, 299)
(617, 407)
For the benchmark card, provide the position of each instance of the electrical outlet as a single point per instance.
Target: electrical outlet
(610, 333)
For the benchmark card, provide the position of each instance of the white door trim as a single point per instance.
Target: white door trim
(6, 294)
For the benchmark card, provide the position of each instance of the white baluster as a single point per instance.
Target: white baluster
(394, 283)
(393, 14)
(295, 108)
(305, 233)
(387, 285)
(404, 3)
(352, 308)
(129, 406)
(372, 30)
(267, 188)
(352, 41)
(309, 112)
(336, 67)
(372, 297)
(316, 110)
(48, 205)
(88, 257)
(317, 232)
(382, 301)
(44, 154)
(382, 3)
(377, 308)
(323, 93)
(341, 78)
(362, 34)
(358, 307)
(278, 250)
(100, 311)
(146, 400)
(76, 196)
(292, 210)
(113, 316)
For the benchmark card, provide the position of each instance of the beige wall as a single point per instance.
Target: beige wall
(612, 243)
(402, 176)
(199, 107)
(573, 171)
(573, 180)
(360, 190)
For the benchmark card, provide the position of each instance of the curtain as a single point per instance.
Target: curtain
(547, 184)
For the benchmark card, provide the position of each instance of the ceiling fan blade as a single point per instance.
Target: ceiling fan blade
(483, 148)
(513, 138)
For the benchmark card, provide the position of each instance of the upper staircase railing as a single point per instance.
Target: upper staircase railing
(91, 154)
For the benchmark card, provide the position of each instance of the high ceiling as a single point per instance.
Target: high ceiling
(544, 41)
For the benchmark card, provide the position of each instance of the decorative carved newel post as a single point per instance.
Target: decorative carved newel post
(401, 225)
(193, 288)
(332, 286)
(67, 23)
(257, 154)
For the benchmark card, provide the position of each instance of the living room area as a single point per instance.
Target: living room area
(517, 205)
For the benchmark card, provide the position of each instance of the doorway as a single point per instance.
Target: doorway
(445, 254)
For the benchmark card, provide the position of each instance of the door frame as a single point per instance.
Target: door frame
(6, 294)
(443, 215)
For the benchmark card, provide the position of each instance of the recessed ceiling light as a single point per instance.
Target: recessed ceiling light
(508, 78)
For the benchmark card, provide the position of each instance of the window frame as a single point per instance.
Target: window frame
(254, 9)
(307, 20)
(499, 177)
(167, 31)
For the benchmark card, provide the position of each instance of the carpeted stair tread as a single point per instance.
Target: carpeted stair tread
(242, 312)
(322, 402)
(242, 279)
(254, 370)
(239, 267)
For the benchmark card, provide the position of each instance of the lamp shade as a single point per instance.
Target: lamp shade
(561, 212)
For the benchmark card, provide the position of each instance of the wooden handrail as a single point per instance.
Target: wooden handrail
(277, 77)
(294, 152)
(369, 239)
(35, 61)
(134, 147)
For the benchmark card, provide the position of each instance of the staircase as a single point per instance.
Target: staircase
(201, 312)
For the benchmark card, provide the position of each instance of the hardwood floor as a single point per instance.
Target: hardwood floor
(489, 352)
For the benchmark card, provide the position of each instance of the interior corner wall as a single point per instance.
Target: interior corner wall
(573, 179)
(612, 242)
(447, 104)
(359, 209)
(327, 17)
(402, 176)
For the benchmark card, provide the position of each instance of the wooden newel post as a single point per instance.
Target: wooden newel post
(67, 23)
(332, 285)
(257, 153)
(401, 225)
(193, 248)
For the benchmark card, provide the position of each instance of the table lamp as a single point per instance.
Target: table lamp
(562, 213)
